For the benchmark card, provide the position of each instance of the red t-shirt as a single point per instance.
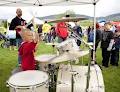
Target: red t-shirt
(26, 51)
(62, 30)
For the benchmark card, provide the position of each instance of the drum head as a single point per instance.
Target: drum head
(45, 58)
(28, 78)
(68, 45)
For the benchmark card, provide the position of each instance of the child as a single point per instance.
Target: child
(27, 49)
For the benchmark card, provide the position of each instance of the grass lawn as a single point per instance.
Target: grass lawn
(8, 61)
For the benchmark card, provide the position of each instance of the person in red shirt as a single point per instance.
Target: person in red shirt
(62, 31)
(27, 50)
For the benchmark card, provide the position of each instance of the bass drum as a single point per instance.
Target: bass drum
(96, 83)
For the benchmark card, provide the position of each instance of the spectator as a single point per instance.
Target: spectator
(46, 31)
(61, 31)
(53, 33)
(98, 35)
(78, 30)
(107, 42)
(91, 35)
(17, 24)
(88, 30)
(115, 51)
(97, 40)
(40, 31)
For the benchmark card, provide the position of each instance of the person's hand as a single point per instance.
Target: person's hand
(36, 47)
(109, 49)
(23, 27)
(110, 45)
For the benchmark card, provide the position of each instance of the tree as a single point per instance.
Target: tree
(3, 23)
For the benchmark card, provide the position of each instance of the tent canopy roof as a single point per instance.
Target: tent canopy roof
(44, 2)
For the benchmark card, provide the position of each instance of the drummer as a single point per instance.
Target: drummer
(28, 48)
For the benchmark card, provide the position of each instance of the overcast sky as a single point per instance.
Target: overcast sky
(103, 8)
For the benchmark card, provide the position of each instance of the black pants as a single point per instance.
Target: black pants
(105, 56)
(96, 45)
(114, 57)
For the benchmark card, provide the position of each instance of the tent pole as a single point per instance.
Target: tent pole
(7, 26)
(94, 56)
(94, 59)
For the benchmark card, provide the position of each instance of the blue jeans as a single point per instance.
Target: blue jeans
(49, 38)
(19, 59)
(18, 43)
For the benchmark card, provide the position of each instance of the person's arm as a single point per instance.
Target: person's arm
(98, 36)
(111, 42)
(12, 25)
(117, 34)
(110, 45)
(36, 47)
(21, 27)
(57, 29)
(80, 31)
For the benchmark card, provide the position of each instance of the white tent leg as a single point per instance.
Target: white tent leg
(94, 56)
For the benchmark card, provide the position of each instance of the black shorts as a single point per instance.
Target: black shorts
(12, 42)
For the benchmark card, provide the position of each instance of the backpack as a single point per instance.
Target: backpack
(62, 30)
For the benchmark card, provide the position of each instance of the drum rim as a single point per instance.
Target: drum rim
(25, 87)
(28, 86)
(43, 55)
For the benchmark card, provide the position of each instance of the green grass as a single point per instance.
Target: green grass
(8, 61)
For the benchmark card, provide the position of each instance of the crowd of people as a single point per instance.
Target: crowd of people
(110, 42)
(109, 37)
(26, 39)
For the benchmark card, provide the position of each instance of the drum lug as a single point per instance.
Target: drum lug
(15, 89)
(47, 85)
(7, 85)
(33, 89)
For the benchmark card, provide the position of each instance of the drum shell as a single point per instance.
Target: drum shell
(43, 66)
(42, 88)
(68, 45)
(47, 67)
(43, 61)
(28, 81)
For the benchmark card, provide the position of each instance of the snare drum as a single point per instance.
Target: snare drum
(44, 60)
(28, 81)
(68, 45)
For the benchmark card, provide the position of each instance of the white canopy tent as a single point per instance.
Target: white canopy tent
(44, 2)
(51, 3)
